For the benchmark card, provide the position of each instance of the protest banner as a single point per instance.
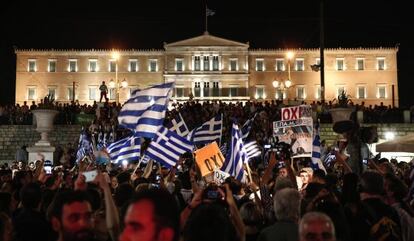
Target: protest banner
(220, 176)
(296, 112)
(209, 158)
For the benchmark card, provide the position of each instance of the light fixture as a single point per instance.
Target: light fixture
(275, 83)
(111, 83)
(124, 83)
(115, 55)
(389, 135)
(288, 83)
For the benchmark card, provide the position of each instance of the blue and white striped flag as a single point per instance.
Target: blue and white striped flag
(167, 147)
(178, 125)
(245, 130)
(236, 156)
(252, 149)
(209, 12)
(128, 149)
(144, 112)
(223, 149)
(84, 146)
(210, 131)
(316, 150)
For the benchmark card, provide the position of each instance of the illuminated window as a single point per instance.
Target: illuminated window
(133, 65)
(179, 64)
(92, 92)
(233, 90)
(51, 91)
(206, 89)
(215, 63)
(31, 93)
(381, 63)
(216, 88)
(73, 65)
(197, 89)
(153, 65)
(93, 65)
(381, 92)
(360, 64)
(112, 93)
(340, 64)
(206, 63)
(260, 65)
(318, 92)
(112, 65)
(300, 92)
(51, 65)
(197, 64)
(300, 64)
(317, 61)
(32, 65)
(70, 93)
(179, 91)
(362, 92)
(260, 92)
(280, 64)
(234, 64)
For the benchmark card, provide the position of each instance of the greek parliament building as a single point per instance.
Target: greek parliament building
(209, 68)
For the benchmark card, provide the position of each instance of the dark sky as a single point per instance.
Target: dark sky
(264, 24)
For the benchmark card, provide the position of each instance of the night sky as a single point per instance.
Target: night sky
(264, 24)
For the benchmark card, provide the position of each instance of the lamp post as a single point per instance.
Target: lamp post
(115, 84)
(286, 84)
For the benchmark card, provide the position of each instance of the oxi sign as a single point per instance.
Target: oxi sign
(295, 112)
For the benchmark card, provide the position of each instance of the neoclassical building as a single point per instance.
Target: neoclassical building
(209, 68)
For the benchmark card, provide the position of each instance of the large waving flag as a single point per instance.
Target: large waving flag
(245, 130)
(178, 125)
(128, 149)
(210, 131)
(144, 112)
(236, 156)
(316, 151)
(252, 149)
(167, 147)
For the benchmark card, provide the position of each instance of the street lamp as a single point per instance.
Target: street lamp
(115, 84)
(286, 84)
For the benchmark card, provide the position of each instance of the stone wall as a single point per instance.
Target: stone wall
(13, 137)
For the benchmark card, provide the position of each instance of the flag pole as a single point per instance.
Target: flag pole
(205, 13)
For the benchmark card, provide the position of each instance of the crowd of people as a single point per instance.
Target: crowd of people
(282, 199)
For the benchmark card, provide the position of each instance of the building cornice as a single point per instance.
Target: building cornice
(327, 50)
(88, 52)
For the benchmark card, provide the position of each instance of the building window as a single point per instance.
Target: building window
(318, 92)
(216, 89)
(51, 91)
(51, 65)
(132, 88)
(360, 64)
(206, 63)
(233, 90)
(31, 93)
(179, 91)
(362, 94)
(233, 65)
(381, 92)
(73, 65)
(206, 90)
(280, 94)
(280, 65)
(179, 65)
(260, 65)
(197, 89)
(215, 63)
(340, 64)
(317, 61)
(93, 65)
(32, 65)
(70, 93)
(92, 92)
(112, 65)
(381, 63)
(300, 92)
(153, 66)
(133, 65)
(339, 90)
(197, 64)
(300, 64)
(260, 93)
(112, 93)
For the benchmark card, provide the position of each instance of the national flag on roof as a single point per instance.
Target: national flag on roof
(316, 150)
(210, 12)
(145, 111)
(245, 130)
(252, 149)
(236, 156)
(167, 147)
(178, 125)
(128, 149)
(210, 131)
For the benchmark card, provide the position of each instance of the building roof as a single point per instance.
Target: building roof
(206, 40)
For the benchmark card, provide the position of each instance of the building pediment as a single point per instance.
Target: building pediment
(205, 40)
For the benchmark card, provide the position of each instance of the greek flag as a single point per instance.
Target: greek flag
(245, 130)
(252, 149)
(223, 149)
(128, 149)
(209, 12)
(167, 147)
(316, 151)
(210, 131)
(236, 156)
(144, 112)
(178, 125)
(84, 146)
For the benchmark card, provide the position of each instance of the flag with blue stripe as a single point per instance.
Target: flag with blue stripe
(84, 146)
(316, 150)
(252, 149)
(210, 131)
(245, 130)
(144, 112)
(128, 149)
(167, 147)
(178, 125)
(223, 149)
(236, 156)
